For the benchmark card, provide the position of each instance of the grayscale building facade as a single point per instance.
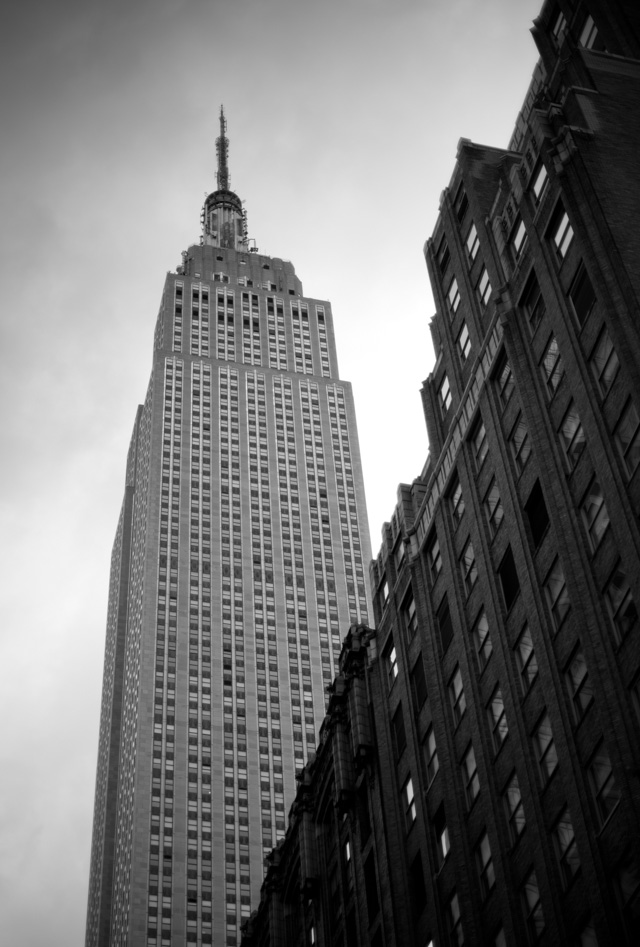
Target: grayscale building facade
(239, 558)
(477, 780)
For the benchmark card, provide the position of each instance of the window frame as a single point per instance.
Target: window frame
(472, 242)
(632, 445)
(520, 451)
(604, 362)
(431, 754)
(497, 719)
(463, 345)
(580, 688)
(409, 797)
(457, 697)
(494, 512)
(575, 445)
(545, 750)
(518, 238)
(561, 596)
(453, 296)
(561, 232)
(539, 182)
(566, 848)
(479, 450)
(471, 780)
(484, 864)
(582, 290)
(620, 604)
(482, 642)
(483, 288)
(532, 302)
(552, 366)
(516, 820)
(595, 515)
(598, 785)
(468, 567)
(524, 664)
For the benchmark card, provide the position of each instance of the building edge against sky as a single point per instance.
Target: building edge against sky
(477, 779)
(239, 558)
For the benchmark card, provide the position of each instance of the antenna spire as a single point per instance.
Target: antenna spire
(222, 150)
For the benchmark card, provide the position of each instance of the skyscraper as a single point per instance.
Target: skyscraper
(237, 563)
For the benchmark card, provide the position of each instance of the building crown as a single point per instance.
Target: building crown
(224, 221)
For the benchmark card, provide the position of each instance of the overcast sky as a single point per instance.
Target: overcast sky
(343, 119)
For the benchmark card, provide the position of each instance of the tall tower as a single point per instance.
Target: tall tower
(238, 560)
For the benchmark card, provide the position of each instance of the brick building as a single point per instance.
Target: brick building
(502, 785)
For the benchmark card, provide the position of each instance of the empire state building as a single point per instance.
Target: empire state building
(238, 564)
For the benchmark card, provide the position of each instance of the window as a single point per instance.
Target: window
(627, 437)
(399, 735)
(484, 287)
(456, 696)
(442, 835)
(454, 923)
(461, 203)
(545, 749)
(572, 436)
(468, 567)
(431, 755)
(409, 803)
(533, 303)
(473, 243)
(604, 362)
(444, 393)
(526, 659)
(497, 719)
(578, 684)
(484, 862)
(456, 500)
(520, 446)
(594, 514)
(509, 578)
(559, 28)
(410, 616)
(552, 367)
(514, 809)
(561, 232)
(518, 237)
(464, 343)
(587, 937)
(482, 640)
(445, 625)
(443, 255)
(419, 683)
(532, 908)
(536, 510)
(504, 380)
(626, 882)
(453, 295)
(470, 776)
(622, 608)
(555, 589)
(384, 594)
(434, 558)
(479, 444)
(392, 666)
(589, 37)
(606, 794)
(582, 295)
(566, 848)
(539, 180)
(493, 508)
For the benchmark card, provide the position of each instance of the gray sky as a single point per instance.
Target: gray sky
(343, 119)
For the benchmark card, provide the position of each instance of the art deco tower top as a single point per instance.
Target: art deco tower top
(223, 218)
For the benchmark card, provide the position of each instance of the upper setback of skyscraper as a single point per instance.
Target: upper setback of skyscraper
(239, 559)
(497, 798)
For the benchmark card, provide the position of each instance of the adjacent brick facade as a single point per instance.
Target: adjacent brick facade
(507, 635)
